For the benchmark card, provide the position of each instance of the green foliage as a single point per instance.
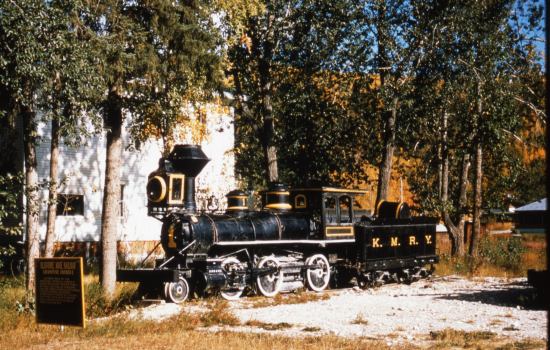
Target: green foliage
(156, 58)
(5, 254)
(503, 252)
(474, 72)
(11, 187)
(75, 86)
(466, 265)
(98, 305)
(317, 136)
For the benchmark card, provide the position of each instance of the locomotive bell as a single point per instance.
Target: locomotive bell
(188, 160)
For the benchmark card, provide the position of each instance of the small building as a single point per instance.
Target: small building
(531, 218)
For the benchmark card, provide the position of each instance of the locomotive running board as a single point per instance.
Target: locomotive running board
(297, 241)
(147, 275)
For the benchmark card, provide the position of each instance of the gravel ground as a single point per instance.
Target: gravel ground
(406, 312)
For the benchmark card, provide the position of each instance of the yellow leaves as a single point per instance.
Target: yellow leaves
(237, 13)
(247, 41)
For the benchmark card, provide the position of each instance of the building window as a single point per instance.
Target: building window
(70, 204)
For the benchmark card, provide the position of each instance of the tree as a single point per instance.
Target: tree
(153, 54)
(73, 89)
(309, 98)
(30, 33)
(252, 61)
(470, 85)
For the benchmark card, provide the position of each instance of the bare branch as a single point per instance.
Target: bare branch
(539, 112)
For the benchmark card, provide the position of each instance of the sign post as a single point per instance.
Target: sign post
(60, 291)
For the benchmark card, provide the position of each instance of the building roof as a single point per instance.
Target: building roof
(539, 205)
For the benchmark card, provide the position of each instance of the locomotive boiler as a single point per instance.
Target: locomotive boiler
(308, 237)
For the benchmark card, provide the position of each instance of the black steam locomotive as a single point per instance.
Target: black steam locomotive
(302, 236)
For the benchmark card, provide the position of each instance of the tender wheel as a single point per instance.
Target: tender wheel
(269, 284)
(234, 272)
(317, 278)
(176, 292)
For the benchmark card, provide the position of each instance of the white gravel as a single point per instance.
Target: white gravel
(404, 311)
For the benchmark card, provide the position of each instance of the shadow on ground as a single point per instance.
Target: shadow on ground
(512, 295)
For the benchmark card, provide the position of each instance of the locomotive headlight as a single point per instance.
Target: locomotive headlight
(156, 189)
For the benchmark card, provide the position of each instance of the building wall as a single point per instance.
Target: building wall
(82, 172)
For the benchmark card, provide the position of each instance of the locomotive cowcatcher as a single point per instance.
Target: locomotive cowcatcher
(308, 237)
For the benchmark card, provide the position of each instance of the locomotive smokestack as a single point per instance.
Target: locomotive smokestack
(188, 160)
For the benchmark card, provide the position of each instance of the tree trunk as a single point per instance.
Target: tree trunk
(31, 192)
(52, 195)
(111, 194)
(476, 229)
(456, 231)
(268, 131)
(384, 170)
(388, 117)
(444, 165)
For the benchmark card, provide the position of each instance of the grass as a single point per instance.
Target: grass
(451, 337)
(219, 314)
(20, 331)
(97, 305)
(268, 326)
(360, 319)
(529, 253)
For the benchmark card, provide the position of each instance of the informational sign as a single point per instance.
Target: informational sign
(60, 291)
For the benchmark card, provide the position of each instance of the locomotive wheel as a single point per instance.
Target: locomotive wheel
(269, 284)
(231, 266)
(176, 292)
(317, 278)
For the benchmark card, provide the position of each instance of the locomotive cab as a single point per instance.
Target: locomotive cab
(334, 208)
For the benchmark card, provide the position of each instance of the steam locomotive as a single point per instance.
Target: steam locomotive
(308, 237)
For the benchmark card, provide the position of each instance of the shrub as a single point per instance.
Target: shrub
(10, 210)
(98, 305)
(502, 252)
(12, 295)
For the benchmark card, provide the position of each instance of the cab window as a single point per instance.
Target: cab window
(345, 209)
(330, 210)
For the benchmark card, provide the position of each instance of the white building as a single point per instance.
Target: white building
(82, 175)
